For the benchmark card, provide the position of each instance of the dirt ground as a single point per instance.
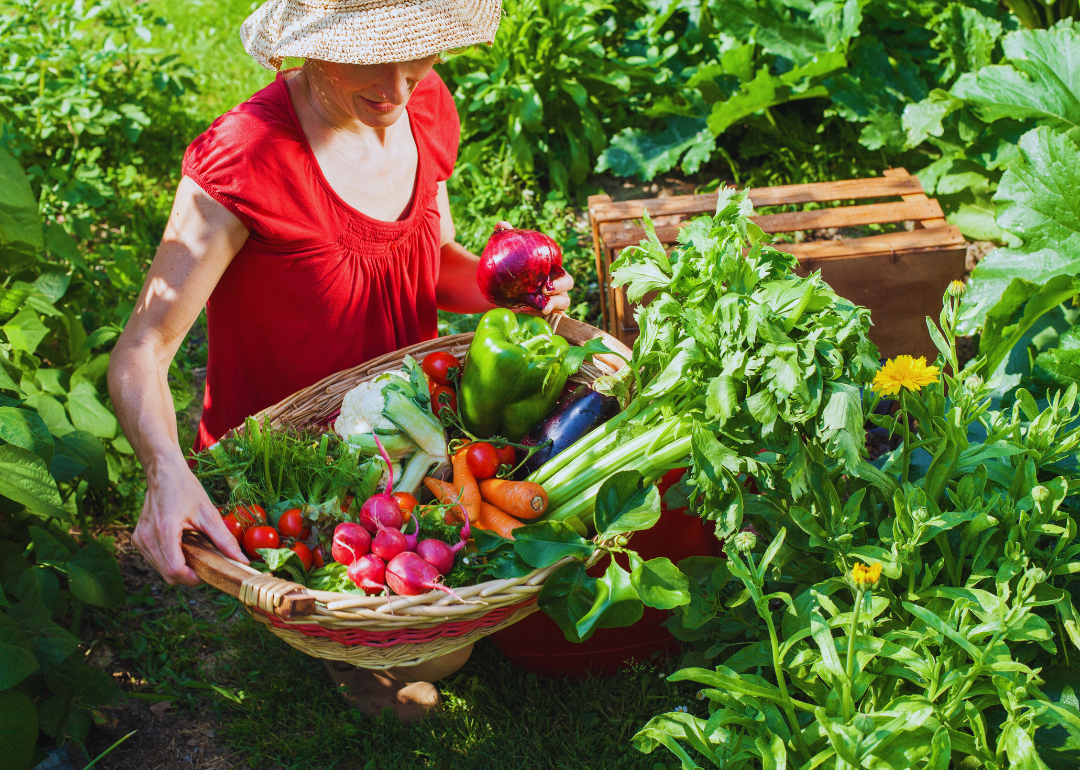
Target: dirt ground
(164, 739)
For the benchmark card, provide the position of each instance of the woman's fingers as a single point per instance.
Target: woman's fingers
(561, 285)
(159, 542)
(557, 304)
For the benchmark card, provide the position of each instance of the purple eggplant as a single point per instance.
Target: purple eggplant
(576, 414)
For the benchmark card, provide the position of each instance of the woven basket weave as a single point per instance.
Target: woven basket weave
(379, 632)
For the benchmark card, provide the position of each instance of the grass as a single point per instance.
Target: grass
(275, 706)
(206, 34)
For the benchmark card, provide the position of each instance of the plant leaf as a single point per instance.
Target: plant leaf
(659, 583)
(625, 504)
(545, 542)
(25, 478)
(18, 729)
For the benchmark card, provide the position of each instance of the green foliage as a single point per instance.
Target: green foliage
(932, 659)
(544, 89)
(46, 577)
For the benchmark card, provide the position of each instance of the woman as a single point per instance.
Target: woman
(313, 223)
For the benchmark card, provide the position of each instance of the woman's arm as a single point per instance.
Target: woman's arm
(456, 290)
(201, 239)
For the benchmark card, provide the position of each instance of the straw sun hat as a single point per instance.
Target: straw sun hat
(366, 31)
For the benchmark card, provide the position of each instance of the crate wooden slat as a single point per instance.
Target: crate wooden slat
(900, 276)
(816, 192)
(617, 236)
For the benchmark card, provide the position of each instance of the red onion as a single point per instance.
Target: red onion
(516, 267)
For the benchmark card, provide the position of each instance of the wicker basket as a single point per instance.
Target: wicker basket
(379, 632)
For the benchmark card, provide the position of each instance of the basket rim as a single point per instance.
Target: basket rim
(265, 591)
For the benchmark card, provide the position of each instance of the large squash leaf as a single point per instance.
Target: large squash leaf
(1041, 80)
(1036, 202)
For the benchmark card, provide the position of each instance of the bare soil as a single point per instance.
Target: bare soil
(164, 738)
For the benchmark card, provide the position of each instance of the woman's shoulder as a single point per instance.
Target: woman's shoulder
(432, 108)
(247, 152)
(266, 116)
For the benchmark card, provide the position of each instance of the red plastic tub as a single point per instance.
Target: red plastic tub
(536, 644)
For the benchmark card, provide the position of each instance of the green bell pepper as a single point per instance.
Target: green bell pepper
(514, 374)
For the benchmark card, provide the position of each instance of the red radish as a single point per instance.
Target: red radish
(378, 512)
(368, 573)
(438, 554)
(408, 575)
(516, 267)
(388, 543)
(410, 540)
(381, 510)
(351, 541)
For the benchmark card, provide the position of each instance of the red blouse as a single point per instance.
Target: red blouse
(318, 286)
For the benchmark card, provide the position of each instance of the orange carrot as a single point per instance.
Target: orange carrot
(446, 494)
(497, 521)
(465, 485)
(522, 499)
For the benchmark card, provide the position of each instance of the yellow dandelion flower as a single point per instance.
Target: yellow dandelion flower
(957, 289)
(904, 372)
(865, 575)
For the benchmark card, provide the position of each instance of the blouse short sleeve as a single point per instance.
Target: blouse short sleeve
(433, 106)
(241, 149)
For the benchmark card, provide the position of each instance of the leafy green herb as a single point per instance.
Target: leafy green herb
(736, 354)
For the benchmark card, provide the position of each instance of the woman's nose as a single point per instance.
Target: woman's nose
(393, 84)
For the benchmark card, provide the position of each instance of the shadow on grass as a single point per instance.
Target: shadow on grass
(271, 706)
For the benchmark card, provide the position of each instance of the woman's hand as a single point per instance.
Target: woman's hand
(175, 501)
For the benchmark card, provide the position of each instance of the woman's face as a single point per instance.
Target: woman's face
(374, 94)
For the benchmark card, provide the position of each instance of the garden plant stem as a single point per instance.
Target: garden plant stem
(849, 669)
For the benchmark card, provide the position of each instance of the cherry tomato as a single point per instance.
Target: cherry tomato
(235, 527)
(406, 503)
(482, 460)
(250, 515)
(507, 456)
(291, 524)
(437, 391)
(260, 537)
(437, 366)
(304, 553)
(317, 557)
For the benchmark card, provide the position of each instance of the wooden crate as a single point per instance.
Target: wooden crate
(899, 276)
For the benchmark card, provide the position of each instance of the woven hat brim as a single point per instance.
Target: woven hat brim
(366, 31)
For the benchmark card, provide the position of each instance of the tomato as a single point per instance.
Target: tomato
(260, 537)
(235, 527)
(317, 557)
(304, 553)
(291, 524)
(406, 503)
(436, 392)
(483, 460)
(437, 366)
(507, 456)
(250, 515)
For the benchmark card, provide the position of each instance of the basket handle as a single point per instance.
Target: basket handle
(212, 567)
